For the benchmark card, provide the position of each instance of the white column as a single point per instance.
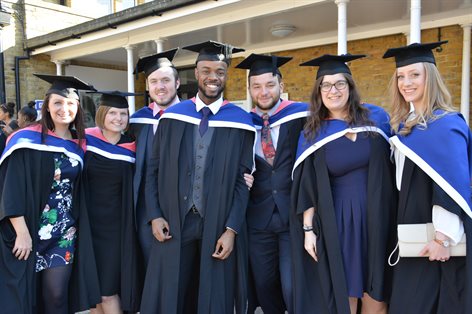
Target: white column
(465, 87)
(130, 66)
(59, 64)
(159, 44)
(342, 26)
(219, 33)
(415, 22)
(407, 35)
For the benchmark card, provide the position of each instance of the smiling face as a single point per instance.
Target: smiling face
(411, 80)
(62, 110)
(265, 90)
(335, 100)
(163, 86)
(211, 77)
(116, 120)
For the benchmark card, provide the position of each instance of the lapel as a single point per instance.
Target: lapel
(283, 133)
(405, 188)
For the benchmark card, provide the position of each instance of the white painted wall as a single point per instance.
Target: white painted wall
(101, 79)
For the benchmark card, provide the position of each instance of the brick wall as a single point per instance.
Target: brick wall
(372, 74)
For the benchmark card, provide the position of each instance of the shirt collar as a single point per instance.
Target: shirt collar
(156, 108)
(271, 111)
(214, 106)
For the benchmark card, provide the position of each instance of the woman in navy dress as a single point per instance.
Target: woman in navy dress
(108, 173)
(341, 197)
(40, 211)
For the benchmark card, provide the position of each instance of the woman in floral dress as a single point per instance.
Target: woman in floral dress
(40, 211)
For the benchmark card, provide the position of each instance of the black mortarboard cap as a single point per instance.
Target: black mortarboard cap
(413, 53)
(332, 64)
(153, 62)
(261, 64)
(65, 86)
(114, 98)
(213, 51)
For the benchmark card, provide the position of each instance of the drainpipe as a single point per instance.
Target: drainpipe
(17, 79)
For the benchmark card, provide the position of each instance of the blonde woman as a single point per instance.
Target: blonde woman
(433, 150)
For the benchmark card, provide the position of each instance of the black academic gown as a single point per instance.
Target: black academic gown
(131, 273)
(27, 176)
(320, 287)
(143, 134)
(222, 284)
(421, 286)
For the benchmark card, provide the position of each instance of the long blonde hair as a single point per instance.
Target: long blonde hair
(436, 96)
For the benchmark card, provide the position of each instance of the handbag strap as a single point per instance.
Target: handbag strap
(390, 257)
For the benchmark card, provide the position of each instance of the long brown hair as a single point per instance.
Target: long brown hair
(356, 113)
(436, 96)
(47, 123)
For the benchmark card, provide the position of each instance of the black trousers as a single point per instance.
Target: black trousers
(270, 260)
(190, 253)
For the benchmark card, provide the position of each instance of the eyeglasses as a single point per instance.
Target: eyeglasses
(339, 85)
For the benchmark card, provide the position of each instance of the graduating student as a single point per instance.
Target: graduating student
(433, 156)
(278, 123)
(108, 174)
(343, 198)
(163, 81)
(196, 197)
(45, 248)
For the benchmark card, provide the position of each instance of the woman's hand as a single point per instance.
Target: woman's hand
(23, 245)
(435, 250)
(310, 244)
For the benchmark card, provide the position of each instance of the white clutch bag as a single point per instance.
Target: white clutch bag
(413, 237)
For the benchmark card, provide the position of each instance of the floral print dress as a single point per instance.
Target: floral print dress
(57, 231)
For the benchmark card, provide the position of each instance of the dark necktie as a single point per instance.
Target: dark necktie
(158, 115)
(266, 140)
(203, 127)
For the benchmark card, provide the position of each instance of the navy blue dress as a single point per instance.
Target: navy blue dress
(348, 163)
(57, 231)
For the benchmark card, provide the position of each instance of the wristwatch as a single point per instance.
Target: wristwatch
(444, 243)
(307, 228)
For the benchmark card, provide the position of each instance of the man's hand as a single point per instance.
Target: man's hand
(224, 245)
(160, 229)
(249, 179)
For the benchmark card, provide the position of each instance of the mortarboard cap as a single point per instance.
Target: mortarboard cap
(332, 64)
(114, 99)
(153, 62)
(261, 64)
(413, 53)
(213, 51)
(65, 86)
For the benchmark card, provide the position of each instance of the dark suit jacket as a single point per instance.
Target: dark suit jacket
(272, 184)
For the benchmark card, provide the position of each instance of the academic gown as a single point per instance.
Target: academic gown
(27, 175)
(108, 173)
(320, 287)
(418, 284)
(290, 117)
(222, 284)
(141, 129)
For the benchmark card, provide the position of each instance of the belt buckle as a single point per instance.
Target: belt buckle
(194, 209)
